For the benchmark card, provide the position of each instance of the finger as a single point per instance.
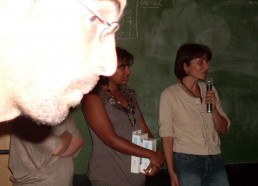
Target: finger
(153, 171)
(148, 172)
(148, 169)
(156, 170)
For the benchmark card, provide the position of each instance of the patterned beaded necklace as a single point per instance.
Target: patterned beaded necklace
(129, 110)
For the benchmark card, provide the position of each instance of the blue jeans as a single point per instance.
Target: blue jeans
(200, 170)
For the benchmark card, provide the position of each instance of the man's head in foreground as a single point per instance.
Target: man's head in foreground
(52, 52)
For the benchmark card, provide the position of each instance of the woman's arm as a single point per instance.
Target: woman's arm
(220, 123)
(97, 118)
(145, 129)
(167, 144)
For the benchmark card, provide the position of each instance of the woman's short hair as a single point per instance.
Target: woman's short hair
(188, 52)
(123, 56)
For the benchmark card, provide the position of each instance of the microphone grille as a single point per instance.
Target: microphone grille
(209, 81)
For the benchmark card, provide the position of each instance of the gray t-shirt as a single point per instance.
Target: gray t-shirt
(106, 164)
(31, 160)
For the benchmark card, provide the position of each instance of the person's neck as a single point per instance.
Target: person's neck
(113, 87)
(190, 84)
(191, 87)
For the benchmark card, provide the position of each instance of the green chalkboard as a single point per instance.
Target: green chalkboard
(152, 30)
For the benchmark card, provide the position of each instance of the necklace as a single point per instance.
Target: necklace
(188, 90)
(129, 109)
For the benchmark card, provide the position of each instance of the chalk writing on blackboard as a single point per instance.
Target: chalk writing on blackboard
(150, 3)
(128, 22)
(153, 3)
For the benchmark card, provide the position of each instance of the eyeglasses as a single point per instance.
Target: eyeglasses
(109, 29)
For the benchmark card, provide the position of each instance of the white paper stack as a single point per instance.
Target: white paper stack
(138, 164)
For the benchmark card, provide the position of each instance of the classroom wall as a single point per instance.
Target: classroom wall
(153, 30)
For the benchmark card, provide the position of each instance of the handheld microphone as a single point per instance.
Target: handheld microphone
(209, 83)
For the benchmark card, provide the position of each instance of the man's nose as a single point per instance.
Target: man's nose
(108, 58)
(110, 64)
